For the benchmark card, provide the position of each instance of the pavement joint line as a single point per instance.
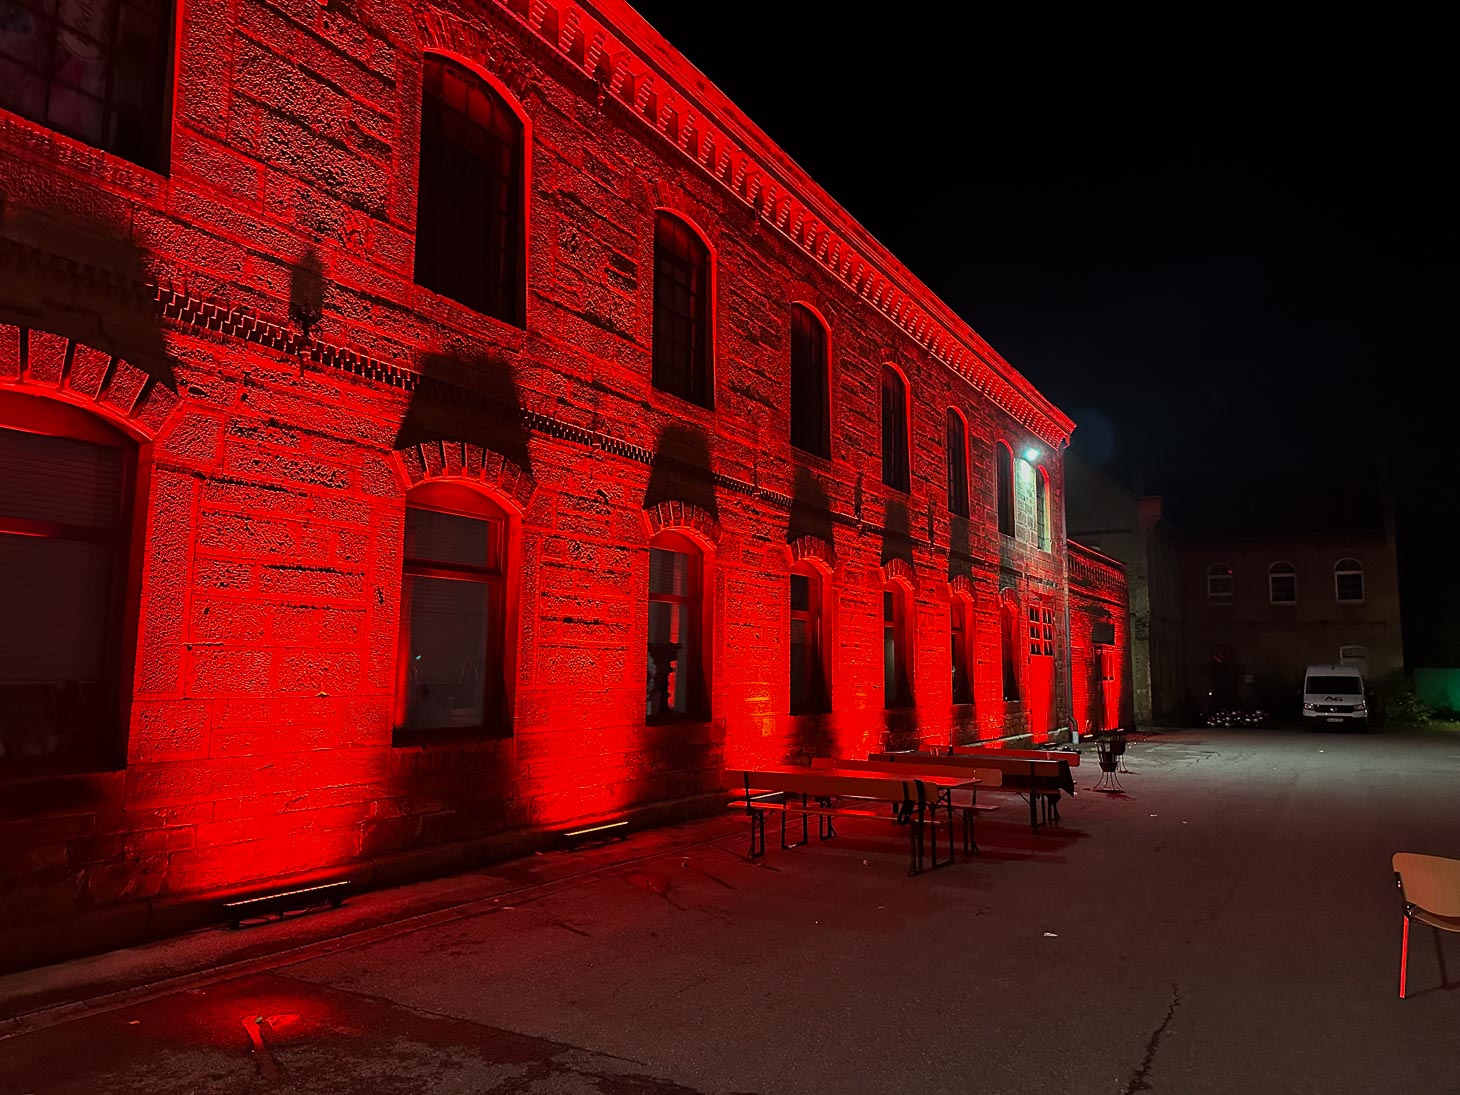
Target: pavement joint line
(59, 1014)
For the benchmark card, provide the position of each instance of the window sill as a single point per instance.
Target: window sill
(660, 394)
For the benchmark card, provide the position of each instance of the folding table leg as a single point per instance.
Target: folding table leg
(1440, 954)
(757, 833)
(1404, 956)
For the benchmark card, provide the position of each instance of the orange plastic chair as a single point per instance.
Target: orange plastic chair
(1429, 887)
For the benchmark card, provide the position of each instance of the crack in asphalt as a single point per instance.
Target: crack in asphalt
(1138, 1079)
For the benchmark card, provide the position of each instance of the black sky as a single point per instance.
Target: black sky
(1217, 239)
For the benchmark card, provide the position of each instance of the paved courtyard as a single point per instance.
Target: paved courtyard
(1230, 924)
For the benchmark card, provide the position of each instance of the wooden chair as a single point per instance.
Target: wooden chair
(1429, 887)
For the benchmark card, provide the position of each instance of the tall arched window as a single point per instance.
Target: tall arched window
(809, 690)
(1011, 636)
(1348, 581)
(100, 72)
(1004, 471)
(960, 627)
(470, 196)
(894, 430)
(957, 446)
(1041, 508)
(683, 283)
(1219, 584)
(677, 673)
(1282, 583)
(896, 642)
(67, 482)
(810, 383)
(452, 670)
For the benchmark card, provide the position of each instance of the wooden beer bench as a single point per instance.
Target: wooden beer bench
(935, 773)
(1038, 780)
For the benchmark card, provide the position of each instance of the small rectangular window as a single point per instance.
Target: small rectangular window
(808, 690)
(674, 684)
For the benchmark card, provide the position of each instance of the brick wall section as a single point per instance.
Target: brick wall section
(267, 583)
(1099, 599)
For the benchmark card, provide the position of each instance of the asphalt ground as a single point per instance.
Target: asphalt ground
(1229, 924)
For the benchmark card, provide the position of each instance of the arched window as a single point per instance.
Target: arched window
(894, 430)
(682, 287)
(962, 648)
(67, 482)
(453, 665)
(470, 196)
(810, 383)
(100, 72)
(1011, 640)
(1348, 581)
(1041, 508)
(809, 690)
(1219, 584)
(957, 464)
(1004, 471)
(677, 676)
(1282, 583)
(896, 625)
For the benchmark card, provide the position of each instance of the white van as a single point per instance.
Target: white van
(1334, 695)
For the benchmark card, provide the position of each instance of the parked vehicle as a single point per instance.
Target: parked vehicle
(1334, 695)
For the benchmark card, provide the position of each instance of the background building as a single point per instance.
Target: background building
(424, 431)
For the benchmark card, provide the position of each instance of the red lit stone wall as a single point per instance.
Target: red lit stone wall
(259, 705)
(1099, 609)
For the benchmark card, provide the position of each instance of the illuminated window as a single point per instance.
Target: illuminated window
(469, 202)
(894, 430)
(96, 70)
(1004, 470)
(1041, 508)
(66, 493)
(896, 673)
(676, 678)
(808, 673)
(1219, 584)
(681, 311)
(1348, 581)
(810, 383)
(1041, 632)
(1282, 583)
(962, 649)
(451, 674)
(957, 464)
(1009, 647)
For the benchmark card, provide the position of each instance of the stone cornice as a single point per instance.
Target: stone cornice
(631, 62)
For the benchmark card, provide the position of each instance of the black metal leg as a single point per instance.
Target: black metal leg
(757, 833)
(805, 833)
(915, 846)
(1440, 954)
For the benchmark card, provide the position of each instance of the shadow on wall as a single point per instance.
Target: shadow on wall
(960, 548)
(307, 291)
(810, 509)
(682, 471)
(896, 534)
(474, 400)
(84, 280)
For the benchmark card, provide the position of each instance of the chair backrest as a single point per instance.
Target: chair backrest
(1430, 881)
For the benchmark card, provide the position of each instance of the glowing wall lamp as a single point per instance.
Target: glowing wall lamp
(1032, 453)
(596, 834)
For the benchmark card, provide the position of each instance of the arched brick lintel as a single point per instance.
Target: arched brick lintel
(961, 586)
(433, 461)
(813, 549)
(900, 570)
(685, 517)
(53, 366)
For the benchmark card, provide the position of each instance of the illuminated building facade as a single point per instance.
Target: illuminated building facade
(424, 430)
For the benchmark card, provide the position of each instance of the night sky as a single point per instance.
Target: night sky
(1221, 241)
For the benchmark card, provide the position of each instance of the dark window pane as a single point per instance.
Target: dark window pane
(96, 70)
(1005, 486)
(469, 201)
(673, 686)
(432, 536)
(957, 465)
(447, 654)
(668, 572)
(1041, 509)
(681, 312)
(894, 430)
(800, 593)
(810, 423)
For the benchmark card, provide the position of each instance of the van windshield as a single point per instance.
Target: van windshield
(1347, 686)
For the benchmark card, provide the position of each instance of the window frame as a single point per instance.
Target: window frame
(700, 581)
(960, 625)
(517, 282)
(1011, 644)
(822, 370)
(498, 712)
(26, 413)
(1276, 572)
(1043, 533)
(815, 614)
(959, 492)
(1005, 495)
(1219, 571)
(896, 449)
(1356, 570)
(901, 627)
(701, 369)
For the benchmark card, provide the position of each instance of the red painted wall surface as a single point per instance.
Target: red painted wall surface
(1099, 641)
(264, 604)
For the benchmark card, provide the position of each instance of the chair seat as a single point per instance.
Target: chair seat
(1435, 920)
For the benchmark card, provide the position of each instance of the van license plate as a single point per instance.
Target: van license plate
(1335, 720)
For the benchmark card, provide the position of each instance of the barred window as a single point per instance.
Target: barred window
(96, 70)
(810, 383)
(894, 430)
(469, 202)
(957, 446)
(682, 344)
